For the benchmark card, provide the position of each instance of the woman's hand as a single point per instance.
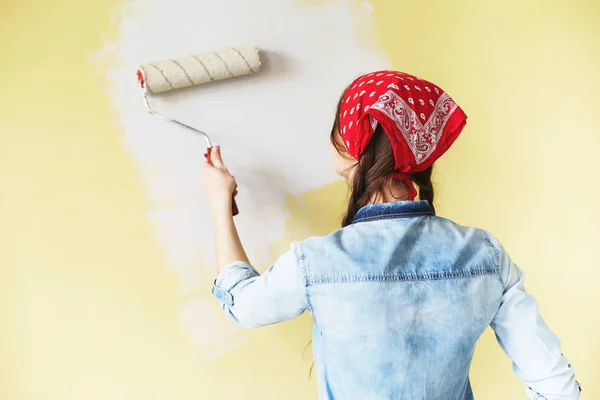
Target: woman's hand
(219, 185)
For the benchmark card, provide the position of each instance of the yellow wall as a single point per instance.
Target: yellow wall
(91, 307)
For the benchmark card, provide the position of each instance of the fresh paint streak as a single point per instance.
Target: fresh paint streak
(273, 127)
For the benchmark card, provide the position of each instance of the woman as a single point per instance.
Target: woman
(399, 296)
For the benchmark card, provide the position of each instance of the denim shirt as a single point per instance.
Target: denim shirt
(399, 299)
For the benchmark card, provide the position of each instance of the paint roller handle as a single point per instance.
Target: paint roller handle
(234, 208)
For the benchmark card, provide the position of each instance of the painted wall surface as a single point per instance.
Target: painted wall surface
(269, 125)
(106, 247)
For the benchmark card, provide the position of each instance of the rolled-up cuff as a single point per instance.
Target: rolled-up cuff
(228, 279)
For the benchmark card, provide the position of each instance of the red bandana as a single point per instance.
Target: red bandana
(421, 120)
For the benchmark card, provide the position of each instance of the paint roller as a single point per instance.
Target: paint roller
(196, 69)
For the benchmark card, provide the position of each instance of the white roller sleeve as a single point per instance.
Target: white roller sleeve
(196, 69)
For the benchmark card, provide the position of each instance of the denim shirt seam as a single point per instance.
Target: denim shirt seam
(393, 216)
(496, 254)
(301, 255)
(405, 277)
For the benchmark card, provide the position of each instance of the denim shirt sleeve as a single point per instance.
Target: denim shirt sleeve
(253, 300)
(532, 346)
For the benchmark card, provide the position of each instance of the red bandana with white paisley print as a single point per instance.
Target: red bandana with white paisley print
(421, 120)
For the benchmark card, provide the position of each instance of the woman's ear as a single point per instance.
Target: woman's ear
(349, 172)
(342, 162)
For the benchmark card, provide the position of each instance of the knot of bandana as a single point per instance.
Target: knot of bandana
(420, 119)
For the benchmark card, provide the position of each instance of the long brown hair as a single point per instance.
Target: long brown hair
(373, 173)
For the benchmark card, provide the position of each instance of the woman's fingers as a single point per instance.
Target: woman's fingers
(215, 156)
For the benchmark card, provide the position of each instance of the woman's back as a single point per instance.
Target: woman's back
(399, 299)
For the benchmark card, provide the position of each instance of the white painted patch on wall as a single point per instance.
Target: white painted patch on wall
(368, 6)
(273, 127)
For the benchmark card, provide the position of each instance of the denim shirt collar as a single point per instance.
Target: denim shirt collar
(400, 209)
